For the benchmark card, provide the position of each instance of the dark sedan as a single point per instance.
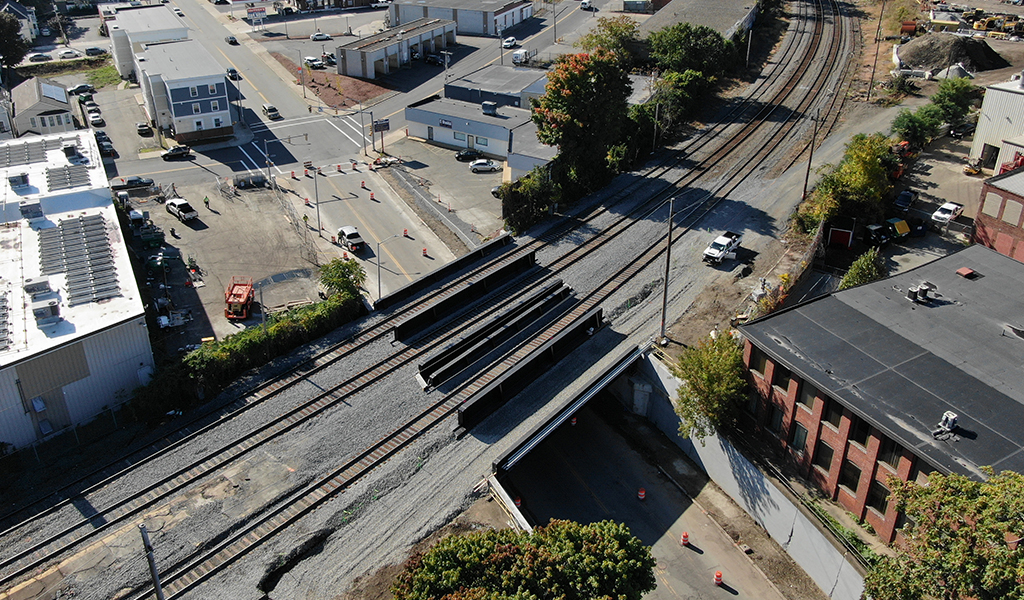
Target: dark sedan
(124, 183)
(468, 155)
(177, 152)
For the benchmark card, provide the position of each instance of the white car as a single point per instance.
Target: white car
(96, 120)
(178, 12)
(509, 42)
(69, 53)
(947, 212)
(320, 37)
(313, 62)
(484, 165)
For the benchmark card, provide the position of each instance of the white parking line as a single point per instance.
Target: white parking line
(250, 160)
(265, 157)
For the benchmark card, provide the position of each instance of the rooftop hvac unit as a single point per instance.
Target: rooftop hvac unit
(36, 285)
(18, 181)
(70, 151)
(490, 108)
(31, 209)
(46, 311)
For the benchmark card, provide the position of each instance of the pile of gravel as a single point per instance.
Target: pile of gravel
(940, 50)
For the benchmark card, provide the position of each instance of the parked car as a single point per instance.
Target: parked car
(233, 74)
(947, 212)
(127, 183)
(320, 37)
(905, 200)
(94, 51)
(178, 12)
(509, 42)
(96, 120)
(93, 110)
(496, 192)
(313, 62)
(44, 31)
(959, 131)
(284, 10)
(484, 165)
(329, 59)
(82, 88)
(348, 237)
(68, 54)
(107, 149)
(221, 2)
(177, 152)
(101, 136)
(232, 40)
(143, 129)
(180, 208)
(468, 155)
(433, 59)
(39, 57)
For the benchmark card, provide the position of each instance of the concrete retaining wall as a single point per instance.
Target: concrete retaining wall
(745, 483)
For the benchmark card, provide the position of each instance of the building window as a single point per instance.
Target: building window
(775, 415)
(67, 118)
(197, 108)
(32, 121)
(216, 121)
(758, 361)
(52, 122)
(799, 441)
(823, 456)
(890, 453)
(213, 89)
(919, 474)
(807, 394)
(459, 136)
(781, 378)
(199, 125)
(214, 106)
(849, 476)
(194, 91)
(481, 141)
(859, 431)
(878, 497)
(833, 413)
(751, 404)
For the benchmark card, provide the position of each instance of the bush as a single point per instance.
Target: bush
(868, 267)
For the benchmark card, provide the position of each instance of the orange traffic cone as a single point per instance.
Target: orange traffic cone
(685, 540)
(641, 493)
(718, 578)
(518, 502)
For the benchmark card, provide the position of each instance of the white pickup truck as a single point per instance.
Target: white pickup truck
(721, 246)
(180, 208)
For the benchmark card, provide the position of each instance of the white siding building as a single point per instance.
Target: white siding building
(473, 17)
(73, 335)
(1001, 120)
(132, 30)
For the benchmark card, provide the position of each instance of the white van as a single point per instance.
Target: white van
(585, 5)
(271, 111)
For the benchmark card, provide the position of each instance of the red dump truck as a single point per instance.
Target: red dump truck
(238, 298)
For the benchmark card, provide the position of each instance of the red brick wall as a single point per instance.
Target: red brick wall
(994, 232)
(864, 457)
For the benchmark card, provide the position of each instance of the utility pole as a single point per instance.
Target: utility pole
(378, 261)
(878, 45)
(554, 22)
(373, 134)
(501, 45)
(668, 262)
(302, 76)
(266, 155)
(316, 198)
(152, 561)
(810, 156)
(362, 126)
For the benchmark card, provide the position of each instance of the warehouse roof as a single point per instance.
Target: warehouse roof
(149, 18)
(901, 364)
(718, 15)
(501, 79)
(496, 6)
(61, 231)
(395, 35)
(1011, 181)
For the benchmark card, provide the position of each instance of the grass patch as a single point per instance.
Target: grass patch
(104, 76)
(850, 536)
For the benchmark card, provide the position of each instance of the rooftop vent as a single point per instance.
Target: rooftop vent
(46, 311)
(966, 272)
(31, 209)
(490, 108)
(18, 181)
(947, 424)
(71, 151)
(36, 285)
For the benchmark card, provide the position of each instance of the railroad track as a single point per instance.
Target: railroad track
(318, 405)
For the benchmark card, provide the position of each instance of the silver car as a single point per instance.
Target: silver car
(484, 165)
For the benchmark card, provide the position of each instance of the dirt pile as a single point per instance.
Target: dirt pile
(940, 50)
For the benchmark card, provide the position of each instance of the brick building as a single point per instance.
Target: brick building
(853, 385)
(1000, 223)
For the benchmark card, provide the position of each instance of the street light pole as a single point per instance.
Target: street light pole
(316, 198)
(668, 262)
(266, 155)
(373, 137)
(302, 76)
(362, 126)
(501, 45)
(378, 261)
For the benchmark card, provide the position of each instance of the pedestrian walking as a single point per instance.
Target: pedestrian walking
(206, 201)
(309, 107)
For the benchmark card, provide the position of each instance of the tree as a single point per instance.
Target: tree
(568, 116)
(918, 127)
(615, 34)
(679, 93)
(960, 540)
(713, 385)
(868, 267)
(523, 201)
(343, 277)
(562, 561)
(954, 99)
(13, 47)
(684, 46)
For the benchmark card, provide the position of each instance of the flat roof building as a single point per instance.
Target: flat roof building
(474, 17)
(915, 373)
(383, 52)
(73, 334)
(727, 18)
